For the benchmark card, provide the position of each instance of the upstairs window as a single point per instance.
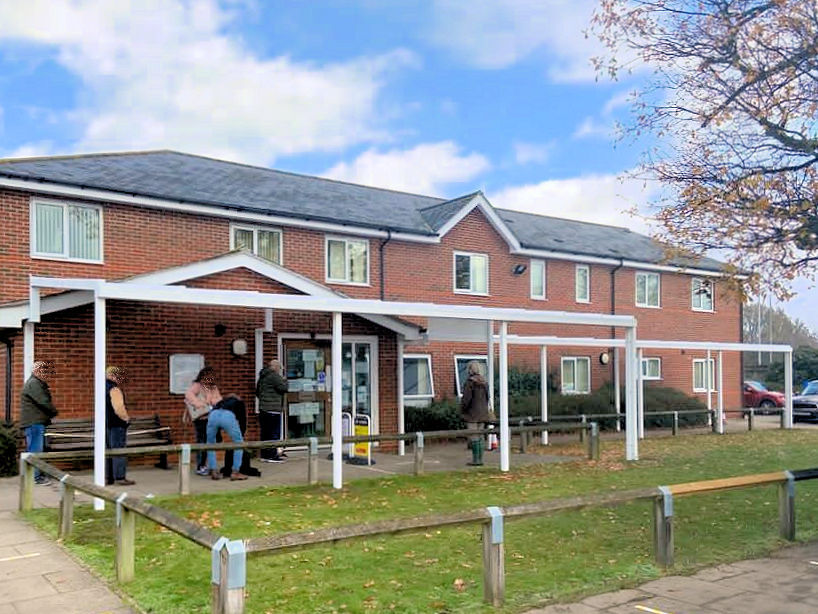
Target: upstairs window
(66, 231)
(347, 261)
(537, 272)
(263, 242)
(576, 375)
(471, 273)
(647, 289)
(702, 294)
(582, 284)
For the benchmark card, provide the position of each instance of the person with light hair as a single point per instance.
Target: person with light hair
(475, 409)
(116, 426)
(270, 390)
(37, 409)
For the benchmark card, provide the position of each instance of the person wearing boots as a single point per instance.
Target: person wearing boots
(474, 408)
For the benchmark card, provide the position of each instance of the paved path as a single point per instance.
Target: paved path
(36, 574)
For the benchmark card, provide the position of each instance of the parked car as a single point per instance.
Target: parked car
(805, 405)
(757, 395)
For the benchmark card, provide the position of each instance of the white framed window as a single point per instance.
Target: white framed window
(701, 294)
(648, 289)
(461, 370)
(418, 383)
(471, 273)
(536, 270)
(700, 375)
(576, 375)
(347, 261)
(651, 368)
(582, 283)
(66, 231)
(263, 242)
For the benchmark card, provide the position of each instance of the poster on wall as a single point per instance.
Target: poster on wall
(183, 370)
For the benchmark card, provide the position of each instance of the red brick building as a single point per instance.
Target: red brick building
(171, 218)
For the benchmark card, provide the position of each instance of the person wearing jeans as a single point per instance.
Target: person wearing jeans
(116, 426)
(200, 398)
(225, 420)
(37, 410)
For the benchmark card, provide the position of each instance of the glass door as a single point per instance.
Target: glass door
(357, 378)
(307, 365)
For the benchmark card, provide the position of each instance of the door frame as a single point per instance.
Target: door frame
(372, 340)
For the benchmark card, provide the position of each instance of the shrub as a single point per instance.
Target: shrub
(439, 416)
(9, 438)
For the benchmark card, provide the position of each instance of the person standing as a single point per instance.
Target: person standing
(270, 390)
(200, 398)
(474, 408)
(37, 410)
(116, 425)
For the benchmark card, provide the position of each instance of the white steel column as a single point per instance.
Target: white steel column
(401, 408)
(490, 360)
(505, 439)
(337, 401)
(28, 349)
(544, 390)
(631, 431)
(100, 359)
(720, 397)
(708, 377)
(788, 389)
(617, 400)
(640, 394)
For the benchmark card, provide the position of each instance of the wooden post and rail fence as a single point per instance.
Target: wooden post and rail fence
(229, 557)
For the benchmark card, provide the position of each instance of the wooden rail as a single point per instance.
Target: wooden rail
(229, 557)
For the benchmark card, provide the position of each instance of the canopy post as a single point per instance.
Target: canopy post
(100, 359)
(788, 389)
(505, 439)
(337, 400)
(544, 390)
(640, 393)
(631, 381)
(401, 407)
(489, 361)
(708, 377)
(720, 397)
(28, 349)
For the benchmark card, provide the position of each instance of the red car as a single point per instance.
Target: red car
(757, 395)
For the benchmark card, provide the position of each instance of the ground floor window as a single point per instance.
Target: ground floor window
(418, 386)
(576, 375)
(651, 368)
(700, 375)
(461, 370)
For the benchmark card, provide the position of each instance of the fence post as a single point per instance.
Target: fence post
(783, 419)
(312, 462)
(593, 441)
(125, 541)
(523, 442)
(228, 576)
(184, 469)
(584, 421)
(418, 453)
(786, 507)
(494, 573)
(675, 423)
(26, 483)
(65, 522)
(663, 527)
(750, 419)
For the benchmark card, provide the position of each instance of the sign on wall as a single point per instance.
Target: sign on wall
(183, 370)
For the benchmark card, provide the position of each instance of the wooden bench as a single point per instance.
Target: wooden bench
(78, 434)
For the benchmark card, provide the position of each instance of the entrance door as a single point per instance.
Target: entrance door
(358, 398)
(307, 368)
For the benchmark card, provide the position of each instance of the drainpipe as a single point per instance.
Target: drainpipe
(613, 328)
(381, 259)
(9, 372)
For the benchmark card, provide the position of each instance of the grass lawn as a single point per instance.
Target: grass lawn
(559, 557)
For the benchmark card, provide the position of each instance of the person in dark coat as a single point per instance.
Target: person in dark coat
(117, 421)
(37, 410)
(475, 409)
(270, 391)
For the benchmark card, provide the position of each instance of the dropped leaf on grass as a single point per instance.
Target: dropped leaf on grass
(459, 585)
(369, 583)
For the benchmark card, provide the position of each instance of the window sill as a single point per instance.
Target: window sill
(703, 310)
(337, 282)
(54, 258)
(648, 306)
(467, 293)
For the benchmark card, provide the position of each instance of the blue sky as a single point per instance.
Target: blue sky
(439, 97)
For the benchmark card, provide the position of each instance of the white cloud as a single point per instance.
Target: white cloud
(427, 168)
(527, 153)
(593, 128)
(498, 33)
(166, 73)
(602, 199)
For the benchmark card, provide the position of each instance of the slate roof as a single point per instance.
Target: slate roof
(187, 178)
